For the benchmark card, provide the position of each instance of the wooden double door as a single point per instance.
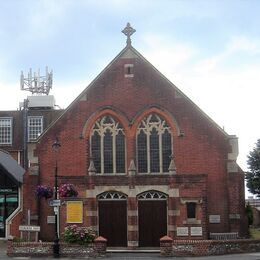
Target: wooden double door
(152, 222)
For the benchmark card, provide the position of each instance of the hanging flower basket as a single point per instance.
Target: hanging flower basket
(67, 190)
(43, 191)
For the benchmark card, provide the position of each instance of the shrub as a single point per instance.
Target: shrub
(79, 235)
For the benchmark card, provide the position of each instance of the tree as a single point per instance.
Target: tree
(249, 214)
(253, 176)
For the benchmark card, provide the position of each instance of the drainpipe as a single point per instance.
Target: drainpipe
(25, 134)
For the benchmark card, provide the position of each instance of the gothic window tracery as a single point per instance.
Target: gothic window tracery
(154, 145)
(152, 195)
(107, 144)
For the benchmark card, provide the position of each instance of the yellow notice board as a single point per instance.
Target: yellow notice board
(74, 211)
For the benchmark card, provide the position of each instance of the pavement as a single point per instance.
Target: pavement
(140, 256)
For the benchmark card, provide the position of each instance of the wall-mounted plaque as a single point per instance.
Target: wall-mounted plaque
(214, 218)
(196, 231)
(182, 231)
(50, 219)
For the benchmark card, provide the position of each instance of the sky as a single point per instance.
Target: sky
(209, 49)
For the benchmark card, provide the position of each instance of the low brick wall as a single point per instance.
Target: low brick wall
(45, 249)
(207, 247)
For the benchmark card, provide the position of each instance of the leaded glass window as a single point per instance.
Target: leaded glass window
(154, 145)
(108, 146)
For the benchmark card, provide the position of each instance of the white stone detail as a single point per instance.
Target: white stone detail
(196, 231)
(174, 212)
(91, 213)
(171, 192)
(133, 243)
(172, 228)
(214, 219)
(182, 231)
(132, 228)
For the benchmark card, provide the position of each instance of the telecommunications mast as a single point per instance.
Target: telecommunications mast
(37, 84)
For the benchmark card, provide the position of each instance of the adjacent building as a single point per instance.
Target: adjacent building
(18, 131)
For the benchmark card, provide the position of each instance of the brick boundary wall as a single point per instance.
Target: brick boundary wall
(45, 249)
(170, 247)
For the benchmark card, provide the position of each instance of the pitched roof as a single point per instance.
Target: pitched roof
(130, 52)
(13, 169)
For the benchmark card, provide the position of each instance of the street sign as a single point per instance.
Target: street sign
(56, 210)
(29, 228)
(54, 203)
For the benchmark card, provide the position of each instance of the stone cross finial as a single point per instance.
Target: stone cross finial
(128, 31)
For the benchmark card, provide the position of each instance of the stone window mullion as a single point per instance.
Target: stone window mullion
(160, 152)
(114, 151)
(102, 152)
(148, 153)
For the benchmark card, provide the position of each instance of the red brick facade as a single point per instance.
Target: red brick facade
(201, 155)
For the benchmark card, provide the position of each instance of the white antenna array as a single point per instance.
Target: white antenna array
(36, 83)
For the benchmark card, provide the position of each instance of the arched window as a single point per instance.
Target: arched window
(154, 145)
(107, 144)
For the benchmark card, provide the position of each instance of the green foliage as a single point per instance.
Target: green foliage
(255, 233)
(79, 235)
(253, 176)
(18, 239)
(249, 214)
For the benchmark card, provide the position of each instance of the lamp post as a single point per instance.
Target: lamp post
(56, 246)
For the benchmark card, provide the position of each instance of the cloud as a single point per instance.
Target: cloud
(173, 56)
(228, 94)
(243, 43)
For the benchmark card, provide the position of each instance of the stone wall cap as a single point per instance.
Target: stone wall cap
(166, 238)
(100, 239)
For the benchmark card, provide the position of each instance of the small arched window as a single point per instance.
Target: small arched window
(107, 146)
(154, 145)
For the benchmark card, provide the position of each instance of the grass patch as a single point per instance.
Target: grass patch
(255, 233)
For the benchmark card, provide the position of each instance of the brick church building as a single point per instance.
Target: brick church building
(145, 160)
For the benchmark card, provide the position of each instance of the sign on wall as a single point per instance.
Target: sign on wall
(214, 219)
(196, 231)
(182, 231)
(74, 211)
(30, 228)
(51, 219)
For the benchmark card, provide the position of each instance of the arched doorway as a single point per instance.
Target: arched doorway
(112, 215)
(152, 218)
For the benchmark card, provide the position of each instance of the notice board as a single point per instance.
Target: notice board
(74, 211)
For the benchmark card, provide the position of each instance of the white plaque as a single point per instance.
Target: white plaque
(214, 218)
(196, 231)
(29, 228)
(51, 219)
(182, 231)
